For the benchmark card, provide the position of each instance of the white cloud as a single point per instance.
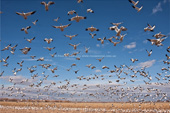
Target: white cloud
(97, 45)
(147, 63)
(157, 8)
(98, 71)
(131, 45)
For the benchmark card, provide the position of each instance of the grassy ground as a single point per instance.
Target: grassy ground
(53, 107)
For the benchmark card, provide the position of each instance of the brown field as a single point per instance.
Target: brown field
(71, 107)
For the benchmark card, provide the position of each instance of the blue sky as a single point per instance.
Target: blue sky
(105, 11)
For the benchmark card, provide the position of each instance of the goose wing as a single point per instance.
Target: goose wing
(30, 13)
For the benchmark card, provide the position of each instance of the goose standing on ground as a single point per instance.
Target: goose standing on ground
(29, 40)
(90, 11)
(133, 60)
(71, 12)
(48, 40)
(47, 4)
(137, 8)
(133, 2)
(77, 18)
(70, 36)
(61, 27)
(149, 53)
(92, 35)
(92, 29)
(102, 40)
(75, 46)
(25, 14)
(56, 19)
(25, 29)
(35, 22)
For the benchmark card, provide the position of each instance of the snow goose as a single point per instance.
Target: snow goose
(52, 55)
(49, 48)
(115, 43)
(102, 40)
(149, 28)
(117, 24)
(52, 70)
(78, 58)
(29, 40)
(70, 36)
(25, 14)
(137, 8)
(113, 28)
(110, 39)
(12, 51)
(75, 53)
(79, 1)
(5, 60)
(168, 50)
(47, 4)
(159, 35)
(77, 18)
(122, 37)
(25, 29)
(2, 73)
(157, 42)
(61, 27)
(71, 12)
(73, 65)
(168, 57)
(32, 57)
(56, 19)
(40, 59)
(90, 11)
(105, 67)
(118, 31)
(92, 35)
(93, 67)
(88, 65)
(66, 54)
(35, 22)
(75, 46)
(48, 40)
(92, 29)
(13, 48)
(133, 60)
(20, 63)
(149, 53)
(100, 59)
(6, 48)
(133, 2)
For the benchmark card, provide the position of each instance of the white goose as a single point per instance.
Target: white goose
(79, 1)
(133, 2)
(75, 45)
(48, 40)
(20, 63)
(35, 22)
(62, 27)
(77, 18)
(71, 12)
(29, 40)
(90, 11)
(25, 14)
(25, 29)
(133, 60)
(159, 35)
(70, 36)
(47, 4)
(5, 60)
(92, 35)
(115, 43)
(49, 48)
(92, 29)
(117, 24)
(149, 53)
(52, 55)
(137, 8)
(122, 37)
(56, 19)
(168, 57)
(102, 40)
(100, 59)
(6, 48)
(87, 49)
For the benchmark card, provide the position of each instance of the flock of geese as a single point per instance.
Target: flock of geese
(119, 76)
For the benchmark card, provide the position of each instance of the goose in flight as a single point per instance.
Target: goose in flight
(87, 49)
(168, 57)
(115, 43)
(102, 40)
(75, 46)
(52, 70)
(25, 14)
(92, 29)
(35, 22)
(62, 27)
(29, 40)
(117, 24)
(168, 50)
(133, 60)
(71, 12)
(66, 54)
(2, 73)
(122, 37)
(133, 2)
(149, 28)
(47, 4)
(48, 40)
(159, 35)
(25, 50)
(5, 60)
(40, 59)
(49, 48)
(25, 29)
(13, 48)
(90, 11)
(79, 1)
(52, 55)
(6, 48)
(20, 63)
(77, 18)
(157, 42)
(32, 57)
(149, 53)
(56, 19)
(88, 65)
(105, 67)
(100, 59)
(92, 35)
(118, 31)
(70, 36)
(137, 8)
(1, 12)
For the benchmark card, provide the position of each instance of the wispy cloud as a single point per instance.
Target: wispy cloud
(146, 64)
(131, 45)
(157, 8)
(98, 71)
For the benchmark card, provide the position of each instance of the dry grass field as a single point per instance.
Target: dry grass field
(63, 107)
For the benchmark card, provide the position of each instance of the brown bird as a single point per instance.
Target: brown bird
(47, 4)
